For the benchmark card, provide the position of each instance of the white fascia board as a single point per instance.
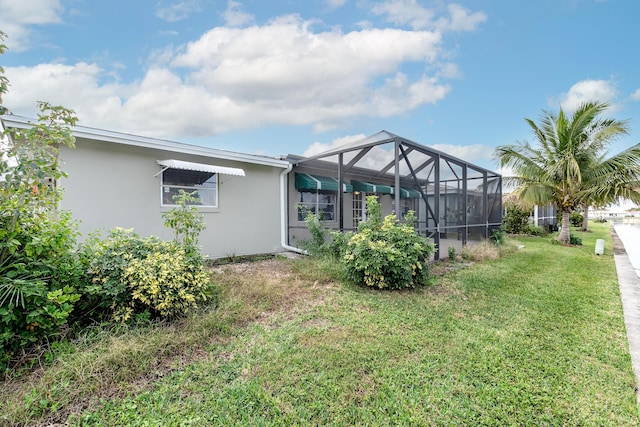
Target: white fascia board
(20, 122)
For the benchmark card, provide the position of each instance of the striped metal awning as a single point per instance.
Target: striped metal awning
(305, 181)
(369, 187)
(200, 167)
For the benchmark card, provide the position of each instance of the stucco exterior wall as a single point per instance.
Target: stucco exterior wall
(117, 185)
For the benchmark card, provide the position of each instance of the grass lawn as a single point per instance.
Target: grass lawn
(536, 337)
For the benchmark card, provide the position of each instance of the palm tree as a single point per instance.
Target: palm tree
(608, 180)
(567, 168)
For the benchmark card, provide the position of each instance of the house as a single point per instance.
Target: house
(121, 180)
(257, 204)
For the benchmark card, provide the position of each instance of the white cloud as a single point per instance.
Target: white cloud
(635, 96)
(235, 16)
(321, 147)
(177, 11)
(60, 85)
(334, 4)
(476, 153)
(586, 91)
(410, 12)
(405, 12)
(449, 70)
(279, 73)
(18, 17)
(461, 19)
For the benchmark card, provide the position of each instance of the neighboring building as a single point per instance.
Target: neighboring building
(256, 204)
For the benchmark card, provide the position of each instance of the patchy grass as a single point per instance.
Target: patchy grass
(535, 337)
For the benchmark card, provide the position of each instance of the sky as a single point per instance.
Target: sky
(277, 77)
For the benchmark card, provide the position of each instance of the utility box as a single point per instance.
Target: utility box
(599, 246)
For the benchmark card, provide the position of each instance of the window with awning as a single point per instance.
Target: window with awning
(198, 179)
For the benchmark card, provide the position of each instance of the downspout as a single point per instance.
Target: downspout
(284, 214)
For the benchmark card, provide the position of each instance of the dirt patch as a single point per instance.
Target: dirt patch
(271, 287)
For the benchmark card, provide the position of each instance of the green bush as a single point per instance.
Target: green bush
(516, 219)
(387, 254)
(534, 230)
(497, 237)
(576, 219)
(339, 242)
(452, 253)
(39, 271)
(324, 242)
(575, 240)
(105, 260)
(130, 274)
(317, 245)
(38, 284)
(166, 281)
(185, 221)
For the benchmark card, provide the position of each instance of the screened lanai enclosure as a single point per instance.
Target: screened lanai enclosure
(454, 201)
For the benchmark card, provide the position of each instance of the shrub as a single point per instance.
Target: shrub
(576, 219)
(516, 219)
(575, 240)
(38, 283)
(317, 245)
(105, 260)
(387, 254)
(166, 281)
(497, 236)
(324, 242)
(452, 253)
(339, 242)
(185, 221)
(534, 230)
(39, 271)
(130, 274)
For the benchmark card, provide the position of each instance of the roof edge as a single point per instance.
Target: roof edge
(21, 122)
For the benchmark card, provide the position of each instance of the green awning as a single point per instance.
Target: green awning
(368, 187)
(305, 181)
(407, 193)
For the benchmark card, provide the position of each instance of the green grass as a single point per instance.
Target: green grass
(534, 338)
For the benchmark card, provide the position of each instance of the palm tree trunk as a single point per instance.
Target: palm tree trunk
(585, 221)
(564, 236)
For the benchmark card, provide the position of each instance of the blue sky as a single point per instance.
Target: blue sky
(283, 76)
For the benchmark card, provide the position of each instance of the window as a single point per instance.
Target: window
(358, 209)
(320, 201)
(205, 184)
(405, 204)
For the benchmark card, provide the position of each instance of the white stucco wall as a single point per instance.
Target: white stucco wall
(115, 185)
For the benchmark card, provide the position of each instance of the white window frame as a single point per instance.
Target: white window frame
(189, 188)
(359, 208)
(316, 204)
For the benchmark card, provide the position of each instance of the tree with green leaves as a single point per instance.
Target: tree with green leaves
(4, 82)
(608, 180)
(568, 166)
(39, 269)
